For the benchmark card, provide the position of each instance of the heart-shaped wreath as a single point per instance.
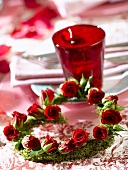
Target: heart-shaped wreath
(79, 145)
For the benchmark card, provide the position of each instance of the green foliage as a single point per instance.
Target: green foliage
(59, 99)
(89, 150)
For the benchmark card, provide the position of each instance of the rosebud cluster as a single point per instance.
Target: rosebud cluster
(108, 111)
(69, 90)
(49, 112)
(21, 121)
(79, 138)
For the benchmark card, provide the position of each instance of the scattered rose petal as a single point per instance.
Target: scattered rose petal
(4, 49)
(4, 66)
(37, 26)
(32, 4)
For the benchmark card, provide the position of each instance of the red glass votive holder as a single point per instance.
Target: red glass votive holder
(80, 49)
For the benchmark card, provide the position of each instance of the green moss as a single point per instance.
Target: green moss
(89, 150)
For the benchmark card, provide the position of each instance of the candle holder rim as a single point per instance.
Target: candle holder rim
(84, 46)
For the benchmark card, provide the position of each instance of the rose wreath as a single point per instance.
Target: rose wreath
(79, 145)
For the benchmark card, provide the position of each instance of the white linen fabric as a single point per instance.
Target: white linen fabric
(25, 72)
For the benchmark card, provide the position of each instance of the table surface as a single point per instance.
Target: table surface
(21, 97)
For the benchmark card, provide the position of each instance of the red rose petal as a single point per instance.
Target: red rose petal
(32, 4)
(4, 66)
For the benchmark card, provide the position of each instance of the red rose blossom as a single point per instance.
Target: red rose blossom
(10, 132)
(52, 112)
(95, 95)
(53, 147)
(19, 117)
(67, 146)
(112, 97)
(31, 143)
(100, 132)
(80, 137)
(111, 117)
(34, 110)
(69, 89)
(47, 94)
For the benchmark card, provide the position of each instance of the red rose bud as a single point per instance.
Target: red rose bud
(10, 132)
(35, 110)
(52, 112)
(69, 89)
(47, 95)
(67, 146)
(111, 117)
(31, 143)
(95, 95)
(80, 137)
(19, 118)
(100, 132)
(112, 97)
(50, 144)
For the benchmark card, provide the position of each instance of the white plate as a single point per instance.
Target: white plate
(108, 83)
(36, 88)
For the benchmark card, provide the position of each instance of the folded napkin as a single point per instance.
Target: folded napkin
(73, 7)
(25, 72)
(111, 69)
(83, 8)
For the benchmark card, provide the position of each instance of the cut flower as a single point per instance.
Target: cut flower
(100, 132)
(80, 144)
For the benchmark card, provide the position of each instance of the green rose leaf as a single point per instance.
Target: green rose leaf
(73, 79)
(108, 105)
(33, 153)
(117, 127)
(83, 82)
(59, 99)
(88, 85)
(17, 145)
(46, 147)
(30, 119)
(118, 107)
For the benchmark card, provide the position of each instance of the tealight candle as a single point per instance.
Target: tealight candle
(80, 49)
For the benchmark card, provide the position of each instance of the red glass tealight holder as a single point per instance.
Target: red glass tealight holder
(80, 49)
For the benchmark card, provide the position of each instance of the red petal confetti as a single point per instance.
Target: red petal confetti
(36, 26)
(4, 49)
(31, 4)
(4, 66)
